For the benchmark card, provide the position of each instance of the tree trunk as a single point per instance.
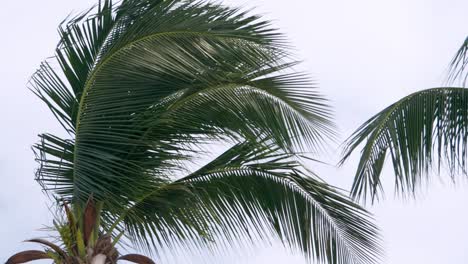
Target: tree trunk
(99, 259)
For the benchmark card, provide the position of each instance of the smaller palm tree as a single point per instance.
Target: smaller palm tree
(426, 128)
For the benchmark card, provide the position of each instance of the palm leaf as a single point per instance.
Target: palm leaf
(27, 256)
(426, 127)
(137, 259)
(250, 194)
(159, 75)
(82, 38)
(458, 66)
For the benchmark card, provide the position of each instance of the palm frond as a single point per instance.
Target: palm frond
(251, 194)
(426, 127)
(458, 66)
(143, 79)
(27, 256)
(81, 40)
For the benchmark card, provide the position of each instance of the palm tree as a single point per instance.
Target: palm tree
(145, 87)
(423, 130)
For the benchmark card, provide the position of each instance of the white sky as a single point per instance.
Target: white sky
(365, 53)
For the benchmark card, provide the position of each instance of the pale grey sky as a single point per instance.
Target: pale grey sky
(365, 53)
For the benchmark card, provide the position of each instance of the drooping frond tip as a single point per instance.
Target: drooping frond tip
(458, 67)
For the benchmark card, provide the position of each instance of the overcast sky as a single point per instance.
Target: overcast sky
(364, 53)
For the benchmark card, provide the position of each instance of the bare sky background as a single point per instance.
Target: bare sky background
(365, 54)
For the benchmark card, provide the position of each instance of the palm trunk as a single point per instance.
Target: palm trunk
(99, 259)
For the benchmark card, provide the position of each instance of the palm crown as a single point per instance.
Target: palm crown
(142, 87)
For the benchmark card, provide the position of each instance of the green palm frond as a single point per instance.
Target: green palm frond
(278, 198)
(426, 127)
(458, 66)
(81, 40)
(145, 79)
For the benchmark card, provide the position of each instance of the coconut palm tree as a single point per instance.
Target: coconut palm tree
(144, 89)
(423, 130)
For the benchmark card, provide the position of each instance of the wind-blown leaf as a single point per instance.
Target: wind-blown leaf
(420, 129)
(82, 38)
(26, 256)
(458, 66)
(146, 74)
(252, 194)
(140, 259)
(51, 245)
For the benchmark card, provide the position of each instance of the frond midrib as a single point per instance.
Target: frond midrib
(107, 59)
(294, 186)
